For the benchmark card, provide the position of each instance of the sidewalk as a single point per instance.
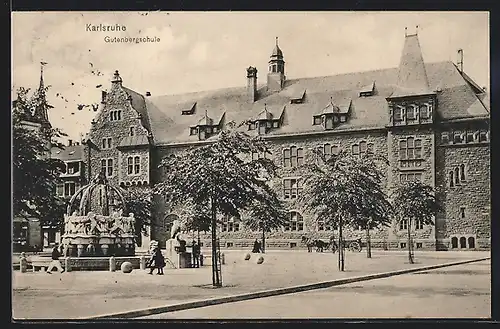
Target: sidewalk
(85, 294)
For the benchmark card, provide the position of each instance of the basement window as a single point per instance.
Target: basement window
(402, 245)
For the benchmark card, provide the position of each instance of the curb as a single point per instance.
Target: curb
(269, 293)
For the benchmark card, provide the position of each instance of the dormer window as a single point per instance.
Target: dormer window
(342, 118)
(193, 131)
(132, 131)
(298, 98)
(398, 113)
(367, 90)
(317, 120)
(251, 126)
(190, 110)
(410, 112)
(424, 112)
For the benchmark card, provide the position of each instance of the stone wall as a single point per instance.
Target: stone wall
(473, 194)
(103, 127)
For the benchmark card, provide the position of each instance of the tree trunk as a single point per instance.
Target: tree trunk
(341, 247)
(215, 273)
(410, 255)
(264, 239)
(368, 243)
(199, 242)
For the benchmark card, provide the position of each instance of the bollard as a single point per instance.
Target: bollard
(23, 263)
(223, 259)
(67, 264)
(143, 262)
(112, 264)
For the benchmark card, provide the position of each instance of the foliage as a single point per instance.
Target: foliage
(266, 216)
(345, 189)
(138, 200)
(415, 201)
(35, 173)
(219, 177)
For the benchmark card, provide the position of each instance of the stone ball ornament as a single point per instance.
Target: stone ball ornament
(247, 256)
(126, 267)
(259, 260)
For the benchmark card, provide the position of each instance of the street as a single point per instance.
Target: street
(459, 291)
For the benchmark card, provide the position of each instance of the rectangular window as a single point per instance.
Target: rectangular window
(458, 137)
(403, 224)
(445, 137)
(410, 113)
(419, 225)
(423, 112)
(355, 150)
(470, 136)
(317, 121)
(193, 131)
(132, 131)
(286, 158)
(262, 128)
(462, 212)
(60, 189)
(275, 124)
(103, 166)
(69, 189)
(483, 136)
(292, 187)
(251, 126)
(342, 118)
(402, 149)
(398, 113)
(130, 166)
(329, 122)
(110, 168)
(107, 143)
(137, 164)
(418, 149)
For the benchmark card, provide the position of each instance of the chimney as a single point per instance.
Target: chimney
(148, 93)
(103, 97)
(460, 60)
(252, 84)
(70, 142)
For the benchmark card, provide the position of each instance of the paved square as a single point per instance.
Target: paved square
(84, 294)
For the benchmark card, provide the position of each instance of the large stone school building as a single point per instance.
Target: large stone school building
(431, 120)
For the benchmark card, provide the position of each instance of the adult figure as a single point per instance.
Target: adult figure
(157, 261)
(196, 254)
(256, 246)
(55, 261)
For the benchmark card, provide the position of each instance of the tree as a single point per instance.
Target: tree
(138, 201)
(415, 201)
(35, 173)
(266, 216)
(343, 188)
(195, 217)
(220, 176)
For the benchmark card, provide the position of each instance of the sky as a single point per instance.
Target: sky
(209, 50)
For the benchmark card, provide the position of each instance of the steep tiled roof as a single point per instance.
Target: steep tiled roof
(412, 75)
(139, 104)
(69, 153)
(167, 124)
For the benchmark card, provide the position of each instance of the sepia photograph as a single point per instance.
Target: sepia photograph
(171, 165)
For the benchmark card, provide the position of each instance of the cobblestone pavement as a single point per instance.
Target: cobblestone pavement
(82, 294)
(461, 291)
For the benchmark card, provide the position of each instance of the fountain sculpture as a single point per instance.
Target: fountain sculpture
(94, 225)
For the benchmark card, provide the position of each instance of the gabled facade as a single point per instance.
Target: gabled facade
(429, 119)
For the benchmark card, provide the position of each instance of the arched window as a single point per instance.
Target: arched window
(457, 176)
(451, 179)
(463, 242)
(295, 222)
(462, 172)
(454, 242)
(472, 242)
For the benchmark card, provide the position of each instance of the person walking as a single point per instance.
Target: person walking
(157, 261)
(55, 261)
(256, 247)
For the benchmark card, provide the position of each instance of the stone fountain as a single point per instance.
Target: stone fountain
(94, 225)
